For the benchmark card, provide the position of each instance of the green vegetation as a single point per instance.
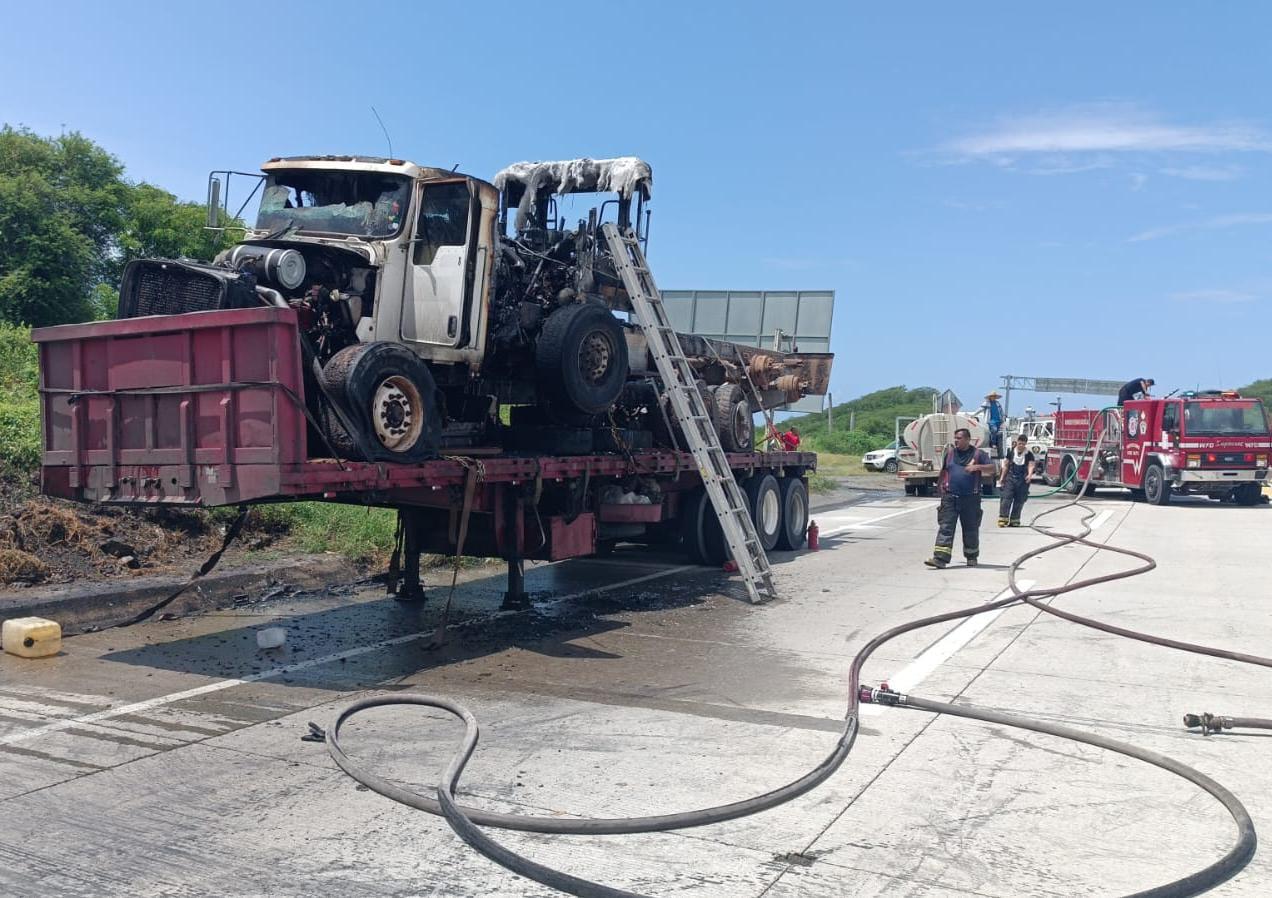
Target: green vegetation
(19, 401)
(359, 533)
(1260, 389)
(875, 421)
(71, 221)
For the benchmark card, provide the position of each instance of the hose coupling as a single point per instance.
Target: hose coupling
(880, 695)
(1207, 722)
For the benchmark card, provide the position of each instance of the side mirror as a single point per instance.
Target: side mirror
(214, 202)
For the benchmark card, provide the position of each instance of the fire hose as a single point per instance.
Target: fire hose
(467, 821)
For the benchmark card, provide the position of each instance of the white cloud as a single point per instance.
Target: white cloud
(1138, 180)
(1090, 135)
(1205, 172)
(1217, 223)
(1214, 296)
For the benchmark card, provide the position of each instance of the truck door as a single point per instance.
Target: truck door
(438, 287)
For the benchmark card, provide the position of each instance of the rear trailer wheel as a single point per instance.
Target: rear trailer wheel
(765, 501)
(581, 358)
(700, 532)
(794, 496)
(732, 415)
(1156, 487)
(391, 399)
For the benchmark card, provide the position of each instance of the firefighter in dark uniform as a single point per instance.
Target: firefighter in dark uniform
(1018, 470)
(1134, 388)
(961, 471)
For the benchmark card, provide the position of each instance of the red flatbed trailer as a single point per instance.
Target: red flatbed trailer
(208, 408)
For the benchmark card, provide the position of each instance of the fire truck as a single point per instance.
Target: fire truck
(1213, 443)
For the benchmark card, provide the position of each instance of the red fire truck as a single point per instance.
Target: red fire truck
(1213, 443)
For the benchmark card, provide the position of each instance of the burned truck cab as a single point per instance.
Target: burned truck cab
(425, 299)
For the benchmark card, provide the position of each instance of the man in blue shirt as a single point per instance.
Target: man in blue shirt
(961, 471)
(993, 411)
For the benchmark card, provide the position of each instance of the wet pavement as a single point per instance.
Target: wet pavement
(166, 759)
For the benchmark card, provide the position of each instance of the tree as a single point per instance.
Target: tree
(159, 226)
(70, 221)
(61, 204)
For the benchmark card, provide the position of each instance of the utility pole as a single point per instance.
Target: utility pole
(852, 419)
(830, 413)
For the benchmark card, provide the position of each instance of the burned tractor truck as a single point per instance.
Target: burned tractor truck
(429, 300)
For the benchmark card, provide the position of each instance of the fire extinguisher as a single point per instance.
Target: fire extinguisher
(812, 537)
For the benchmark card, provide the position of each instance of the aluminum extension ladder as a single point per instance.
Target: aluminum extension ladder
(691, 414)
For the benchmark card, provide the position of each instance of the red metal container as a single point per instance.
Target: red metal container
(166, 408)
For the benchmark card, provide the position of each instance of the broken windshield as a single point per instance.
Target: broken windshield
(1244, 419)
(362, 204)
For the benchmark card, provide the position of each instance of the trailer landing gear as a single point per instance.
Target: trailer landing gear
(516, 598)
(404, 585)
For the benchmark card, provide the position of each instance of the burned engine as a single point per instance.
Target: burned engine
(331, 289)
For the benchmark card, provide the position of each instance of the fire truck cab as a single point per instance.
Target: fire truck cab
(1213, 443)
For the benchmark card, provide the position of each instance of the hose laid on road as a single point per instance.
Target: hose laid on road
(467, 821)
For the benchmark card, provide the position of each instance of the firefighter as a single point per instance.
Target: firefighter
(961, 470)
(1131, 388)
(1018, 470)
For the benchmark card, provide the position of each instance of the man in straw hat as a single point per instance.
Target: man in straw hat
(992, 414)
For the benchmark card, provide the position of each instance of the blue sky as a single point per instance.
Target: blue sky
(1070, 190)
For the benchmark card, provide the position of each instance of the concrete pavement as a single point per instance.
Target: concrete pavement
(166, 759)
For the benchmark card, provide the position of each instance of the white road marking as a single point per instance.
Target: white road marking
(844, 528)
(943, 649)
(1101, 519)
(159, 702)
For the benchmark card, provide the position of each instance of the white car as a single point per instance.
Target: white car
(884, 459)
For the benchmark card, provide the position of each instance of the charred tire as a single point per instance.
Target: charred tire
(700, 532)
(764, 500)
(794, 530)
(890, 466)
(731, 414)
(581, 358)
(1247, 494)
(390, 396)
(1156, 486)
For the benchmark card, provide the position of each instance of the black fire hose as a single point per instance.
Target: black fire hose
(466, 821)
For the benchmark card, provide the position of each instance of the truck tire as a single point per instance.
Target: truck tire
(1156, 486)
(581, 358)
(390, 395)
(1247, 494)
(700, 532)
(794, 531)
(1069, 476)
(733, 419)
(659, 424)
(765, 503)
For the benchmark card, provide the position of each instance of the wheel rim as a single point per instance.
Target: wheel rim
(397, 412)
(742, 424)
(1152, 484)
(769, 512)
(800, 514)
(596, 354)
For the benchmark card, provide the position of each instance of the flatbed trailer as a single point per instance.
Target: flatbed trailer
(207, 409)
